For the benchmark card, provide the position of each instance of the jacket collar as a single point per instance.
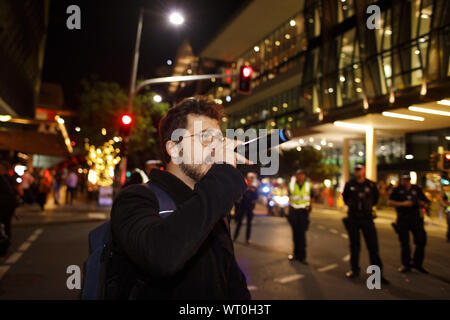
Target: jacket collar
(177, 189)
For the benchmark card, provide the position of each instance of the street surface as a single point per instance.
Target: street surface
(36, 265)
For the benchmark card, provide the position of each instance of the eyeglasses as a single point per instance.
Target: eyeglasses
(207, 137)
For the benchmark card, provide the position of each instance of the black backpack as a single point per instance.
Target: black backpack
(100, 249)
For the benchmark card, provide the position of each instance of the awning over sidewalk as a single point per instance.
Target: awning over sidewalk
(33, 142)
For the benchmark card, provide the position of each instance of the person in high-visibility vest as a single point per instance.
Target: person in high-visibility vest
(299, 209)
(447, 211)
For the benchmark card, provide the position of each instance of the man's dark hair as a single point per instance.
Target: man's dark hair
(176, 118)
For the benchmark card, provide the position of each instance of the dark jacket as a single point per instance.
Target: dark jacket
(7, 195)
(360, 198)
(189, 254)
(414, 194)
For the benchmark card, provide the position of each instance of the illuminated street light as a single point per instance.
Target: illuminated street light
(77, 129)
(169, 62)
(157, 98)
(176, 18)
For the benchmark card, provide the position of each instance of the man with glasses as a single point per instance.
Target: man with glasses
(189, 254)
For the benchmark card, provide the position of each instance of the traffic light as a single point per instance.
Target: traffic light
(446, 161)
(126, 122)
(245, 80)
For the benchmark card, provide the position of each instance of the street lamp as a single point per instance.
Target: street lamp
(157, 98)
(174, 18)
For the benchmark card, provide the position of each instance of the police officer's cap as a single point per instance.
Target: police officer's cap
(300, 171)
(358, 167)
(405, 175)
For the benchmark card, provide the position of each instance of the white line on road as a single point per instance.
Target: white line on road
(252, 288)
(346, 258)
(97, 215)
(334, 231)
(327, 268)
(290, 278)
(24, 246)
(3, 270)
(13, 258)
(321, 227)
(33, 237)
(345, 236)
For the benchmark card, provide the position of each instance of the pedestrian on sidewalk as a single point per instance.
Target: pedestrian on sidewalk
(8, 204)
(446, 199)
(27, 186)
(44, 187)
(300, 193)
(57, 181)
(408, 199)
(246, 205)
(71, 182)
(361, 195)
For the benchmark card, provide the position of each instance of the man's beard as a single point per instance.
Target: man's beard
(195, 172)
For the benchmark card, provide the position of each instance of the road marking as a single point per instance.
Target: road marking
(97, 215)
(3, 270)
(252, 288)
(345, 236)
(327, 268)
(346, 258)
(290, 278)
(35, 235)
(321, 227)
(24, 246)
(13, 258)
(334, 231)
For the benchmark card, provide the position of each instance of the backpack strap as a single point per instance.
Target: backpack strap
(166, 204)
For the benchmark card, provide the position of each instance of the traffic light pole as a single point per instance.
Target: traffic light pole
(135, 90)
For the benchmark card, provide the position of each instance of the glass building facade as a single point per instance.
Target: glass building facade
(342, 63)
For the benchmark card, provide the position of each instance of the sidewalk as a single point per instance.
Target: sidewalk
(387, 214)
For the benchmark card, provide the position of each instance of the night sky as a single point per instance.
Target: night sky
(104, 46)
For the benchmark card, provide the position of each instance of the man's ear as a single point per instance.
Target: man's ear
(172, 149)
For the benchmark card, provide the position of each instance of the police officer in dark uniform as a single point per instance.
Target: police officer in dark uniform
(408, 199)
(244, 208)
(360, 195)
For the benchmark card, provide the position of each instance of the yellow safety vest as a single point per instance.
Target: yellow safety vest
(299, 198)
(447, 193)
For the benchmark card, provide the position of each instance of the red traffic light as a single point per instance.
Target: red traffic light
(245, 80)
(247, 71)
(447, 156)
(126, 119)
